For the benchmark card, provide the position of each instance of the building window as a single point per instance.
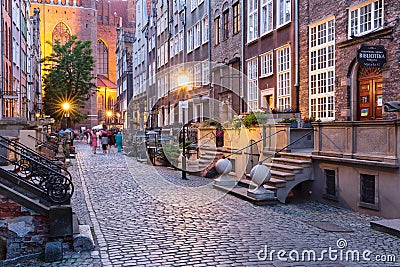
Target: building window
(366, 18)
(102, 58)
(193, 5)
(283, 83)
(190, 40)
(197, 75)
(225, 18)
(61, 33)
(322, 70)
(252, 76)
(252, 19)
(267, 64)
(266, 16)
(367, 188)
(206, 73)
(197, 35)
(204, 26)
(284, 11)
(330, 183)
(217, 30)
(236, 17)
(181, 41)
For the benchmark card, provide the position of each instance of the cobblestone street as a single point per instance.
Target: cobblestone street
(148, 216)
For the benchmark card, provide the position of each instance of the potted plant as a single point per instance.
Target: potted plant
(307, 122)
(292, 120)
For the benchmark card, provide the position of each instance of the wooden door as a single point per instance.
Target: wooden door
(370, 98)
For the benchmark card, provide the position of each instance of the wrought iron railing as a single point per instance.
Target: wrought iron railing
(285, 147)
(32, 154)
(45, 144)
(56, 184)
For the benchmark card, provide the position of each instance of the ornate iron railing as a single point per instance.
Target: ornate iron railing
(32, 154)
(46, 144)
(56, 183)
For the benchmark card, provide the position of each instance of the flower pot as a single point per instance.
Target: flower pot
(294, 124)
(307, 125)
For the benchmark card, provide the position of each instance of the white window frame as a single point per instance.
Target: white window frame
(199, 2)
(190, 40)
(267, 64)
(252, 84)
(196, 35)
(283, 61)
(287, 6)
(193, 5)
(204, 27)
(355, 17)
(252, 20)
(181, 42)
(198, 75)
(266, 15)
(322, 70)
(205, 75)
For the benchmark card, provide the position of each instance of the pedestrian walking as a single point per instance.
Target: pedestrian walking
(111, 143)
(104, 142)
(94, 141)
(118, 141)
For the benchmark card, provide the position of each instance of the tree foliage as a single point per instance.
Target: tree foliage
(68, 78)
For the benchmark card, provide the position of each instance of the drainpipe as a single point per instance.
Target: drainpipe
(296, 48)
(242, 97)
(2, 61)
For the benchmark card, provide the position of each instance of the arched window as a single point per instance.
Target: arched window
(102, 58)
(62, 33)
(100, 102)
(110, 103)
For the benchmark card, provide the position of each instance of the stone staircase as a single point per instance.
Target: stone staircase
(209, 155)
(287, 170)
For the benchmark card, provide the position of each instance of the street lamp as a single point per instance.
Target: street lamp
(183, 81)
(66, 106)
(109, 115)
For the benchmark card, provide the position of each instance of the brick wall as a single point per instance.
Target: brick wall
(25, 231)
(312, 11)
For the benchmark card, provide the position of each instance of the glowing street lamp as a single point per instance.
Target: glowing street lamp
(66, 106)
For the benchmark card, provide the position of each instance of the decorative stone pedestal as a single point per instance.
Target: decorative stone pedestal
(223, 167)
(260, 174)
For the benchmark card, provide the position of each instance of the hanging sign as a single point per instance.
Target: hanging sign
(372, 56)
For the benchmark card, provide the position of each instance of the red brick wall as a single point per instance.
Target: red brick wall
(312, 11)
(35, 228)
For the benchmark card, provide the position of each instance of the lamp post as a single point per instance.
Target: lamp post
(109, 114)
(183, 81)
(66, 106)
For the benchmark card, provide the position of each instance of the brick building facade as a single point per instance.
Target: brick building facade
(352, 91)
(96, 21)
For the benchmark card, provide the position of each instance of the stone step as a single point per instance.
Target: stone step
(248, 183)
(278, 183)
(284, 168)
(293, 162)
(241, 192)
(296, 156)
(285, 176)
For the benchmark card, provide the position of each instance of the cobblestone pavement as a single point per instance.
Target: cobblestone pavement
(148, 216)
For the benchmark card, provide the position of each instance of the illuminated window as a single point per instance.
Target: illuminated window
(102, 58)
(61, 32)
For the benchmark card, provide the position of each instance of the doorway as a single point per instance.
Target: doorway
(369, 94)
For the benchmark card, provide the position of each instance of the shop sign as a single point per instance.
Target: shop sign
(372, 56)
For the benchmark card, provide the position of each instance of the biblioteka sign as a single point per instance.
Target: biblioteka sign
(372, 56)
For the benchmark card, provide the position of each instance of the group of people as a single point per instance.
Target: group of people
(107, 140)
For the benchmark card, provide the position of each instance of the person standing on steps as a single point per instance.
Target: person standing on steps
(118, 141)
